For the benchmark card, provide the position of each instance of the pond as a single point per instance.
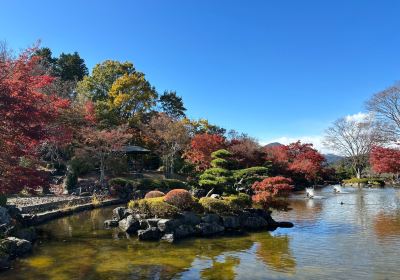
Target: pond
(352, 235)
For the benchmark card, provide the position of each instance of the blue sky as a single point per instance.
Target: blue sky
(273, 69)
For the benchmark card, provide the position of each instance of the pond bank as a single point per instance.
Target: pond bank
(18, 232)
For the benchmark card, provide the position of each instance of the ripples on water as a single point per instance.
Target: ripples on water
(353, 235)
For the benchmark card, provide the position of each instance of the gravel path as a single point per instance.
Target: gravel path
(37, 200)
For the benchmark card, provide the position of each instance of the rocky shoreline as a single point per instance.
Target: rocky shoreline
(189, 224)
(17, 229)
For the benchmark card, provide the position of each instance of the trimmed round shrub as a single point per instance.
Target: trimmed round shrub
(153, 194)
(213, 205)
(154, 207)
(180, 198)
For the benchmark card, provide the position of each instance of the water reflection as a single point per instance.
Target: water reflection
(275, 252)
(352, 235)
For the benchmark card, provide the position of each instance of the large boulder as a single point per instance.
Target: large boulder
(129, 225)
(149, 234)
(4, 260)
(211, 218)
(120, 213)
(28, 233)
(231, 222)
(110, 223)
(208, 229)
(15, 247)
(185, 231)
(168, 225)
(153, 222)
(5, 218)
(252, 222)
(190, 218)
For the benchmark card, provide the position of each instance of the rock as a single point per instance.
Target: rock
(231, 222)
(208, 229)
(253, 222)
(190, 218)
(169, 237)
(216, 196)
(198, 193)
(4, 260)
(26, 233)
(285, 224)
(110, 223)
(5, 218)
(15, 247)
(143, 224)
(129, 224)
(211, 218)
(153, 222)
(152, 233)
(168, 225)
(184, 231)
(120, 213)
(14, 212)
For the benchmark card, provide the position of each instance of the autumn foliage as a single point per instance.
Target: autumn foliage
(270, 188)
(179, 198)
(152, 194)
(201, 148)
(296, 160)
(28, 119)
(385, 160)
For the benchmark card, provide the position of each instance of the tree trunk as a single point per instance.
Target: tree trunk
(358, 173)
(102, 171)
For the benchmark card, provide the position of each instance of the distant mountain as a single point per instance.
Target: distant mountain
(332, 158)
(274, 144)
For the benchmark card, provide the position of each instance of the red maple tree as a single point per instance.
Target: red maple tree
(28, 118)
(270, 188)
(385, 160)
(296, 159)
(201, 147)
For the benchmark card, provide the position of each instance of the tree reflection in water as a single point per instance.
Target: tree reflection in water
(274, 251)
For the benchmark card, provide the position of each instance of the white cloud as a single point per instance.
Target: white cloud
(357, 117)
(316, 140)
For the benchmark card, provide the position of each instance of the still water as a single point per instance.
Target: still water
(352, 235)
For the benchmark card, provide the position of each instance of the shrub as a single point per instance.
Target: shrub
(80, 166)
(270, 188)
(154, 207)
(180, 198)
(219, 177)
(356, 181)
(248, 172)
(221, 154)
(117, 164)
(169, 184)
(71, 181)
(147, 184)
(153, 194)
(213, 205)
(373, 181)
(238, 202)
(120, 187)
(3, 200)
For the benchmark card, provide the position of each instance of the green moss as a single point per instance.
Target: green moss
(213, 205)
(154, 207)
(238, 202)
